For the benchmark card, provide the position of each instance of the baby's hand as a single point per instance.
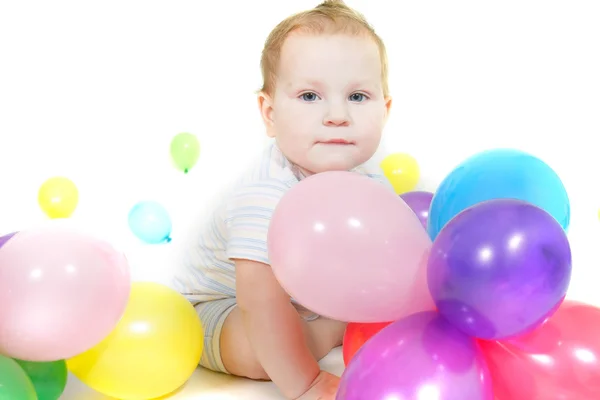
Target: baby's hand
(324, 387)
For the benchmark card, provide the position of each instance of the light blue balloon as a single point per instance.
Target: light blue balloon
(499, 174)
(150, 222)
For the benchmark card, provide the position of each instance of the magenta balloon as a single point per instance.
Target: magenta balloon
(419, 202)
(347, 247)
(418, 357)
(500, 268)
(60, 293)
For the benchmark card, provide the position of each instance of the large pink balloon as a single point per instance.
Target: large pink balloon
(348, 248)
(60, 293)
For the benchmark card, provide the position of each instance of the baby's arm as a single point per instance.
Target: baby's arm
(274, 329)
(265, 334)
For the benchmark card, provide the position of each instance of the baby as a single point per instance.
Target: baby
(325, 101)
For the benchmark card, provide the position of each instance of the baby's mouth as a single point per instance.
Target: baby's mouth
(336, 141)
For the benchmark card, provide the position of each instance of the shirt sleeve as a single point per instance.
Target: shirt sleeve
(248, 217)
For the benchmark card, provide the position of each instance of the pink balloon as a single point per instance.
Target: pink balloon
(60, 293)
(347, 247)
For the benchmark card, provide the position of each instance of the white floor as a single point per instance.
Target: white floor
(207, 385)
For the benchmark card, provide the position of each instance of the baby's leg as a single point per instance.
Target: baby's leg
(213, 315)
(238, 358)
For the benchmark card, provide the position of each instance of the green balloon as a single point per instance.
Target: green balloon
(185, 151)
(14, 382)
(49, 378)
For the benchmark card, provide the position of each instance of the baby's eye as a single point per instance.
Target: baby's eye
(358, 97)
(309, 96)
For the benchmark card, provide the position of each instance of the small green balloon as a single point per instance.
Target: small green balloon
(49, 378)
(14, 382)
(185, 151)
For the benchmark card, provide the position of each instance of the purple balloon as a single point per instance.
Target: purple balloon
(419, 202)
(6, 238)
(421, 356)
(499, 268)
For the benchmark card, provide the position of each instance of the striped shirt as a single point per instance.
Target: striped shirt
(237, 227)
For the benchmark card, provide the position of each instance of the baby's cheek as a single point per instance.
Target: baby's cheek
(371, 137)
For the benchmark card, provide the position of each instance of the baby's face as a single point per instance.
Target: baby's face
(328, 110)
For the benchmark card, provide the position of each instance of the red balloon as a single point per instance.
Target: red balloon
(356, 335)
(559, 360)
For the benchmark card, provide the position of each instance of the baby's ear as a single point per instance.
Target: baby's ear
(388, 106)
(265, 106)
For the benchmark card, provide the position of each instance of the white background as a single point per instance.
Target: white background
(95, 91)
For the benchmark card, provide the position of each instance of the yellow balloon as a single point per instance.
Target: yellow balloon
(58, 197)
(402, 170)
(153, 350)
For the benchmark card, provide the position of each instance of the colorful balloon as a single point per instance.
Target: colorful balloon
(14, 382)
(185, 151)
(345, 246)
(150, 222)
(499, 268)
(58, 197)
(499, 174)
(356, 335)
(61, 292)
(559, 360)
(402, 170)
(419, 202)
(49, 378)
(6, 238)
(421, 356)
(153, 350)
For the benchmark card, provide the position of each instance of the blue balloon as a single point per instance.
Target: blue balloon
(499, 174)
(150, 222)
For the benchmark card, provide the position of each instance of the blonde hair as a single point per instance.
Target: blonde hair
(331, 16)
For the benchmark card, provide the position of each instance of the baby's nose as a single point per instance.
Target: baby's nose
(336, 121)
(337, 116)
